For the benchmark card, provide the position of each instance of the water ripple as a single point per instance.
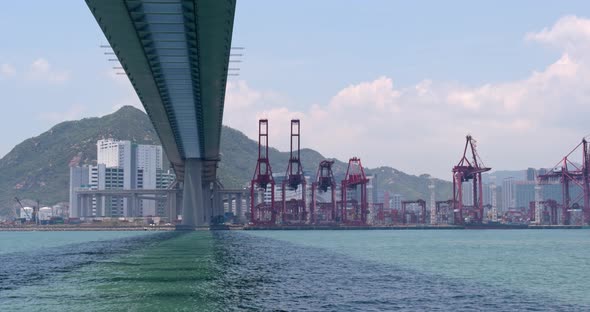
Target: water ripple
(236, 271)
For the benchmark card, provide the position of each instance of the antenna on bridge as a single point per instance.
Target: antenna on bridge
(108, 50)
(235, 54)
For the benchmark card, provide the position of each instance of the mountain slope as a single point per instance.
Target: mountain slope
(38, 168)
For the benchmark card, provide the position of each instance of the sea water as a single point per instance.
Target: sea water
(453, 270)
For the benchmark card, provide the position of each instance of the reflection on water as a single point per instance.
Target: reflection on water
(235, 271)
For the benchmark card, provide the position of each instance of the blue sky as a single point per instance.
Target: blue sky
(397, 83)
(342, 42)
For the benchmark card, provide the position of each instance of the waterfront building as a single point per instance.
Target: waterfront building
(542, 171)
(164, 180)
(531, 174)
(26, 213)
(60, 210)
(467, 193)
(121, 165)
(508, 200)
(79, 178)
(397, 202)
(385, 200)
(371, 197)
(45, 213)
(487, 193)
(524, 192)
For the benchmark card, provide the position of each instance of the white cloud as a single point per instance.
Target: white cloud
(526, 122)
(568, 32)
(7, 70)
(244, 105)
(42, 70)
(241, 95)
(379, 93)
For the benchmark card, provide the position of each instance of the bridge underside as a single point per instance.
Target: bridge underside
(176, 55)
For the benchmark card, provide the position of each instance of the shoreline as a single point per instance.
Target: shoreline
(62, 228)
(74, 228)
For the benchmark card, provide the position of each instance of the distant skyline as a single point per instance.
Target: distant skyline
(395, 83)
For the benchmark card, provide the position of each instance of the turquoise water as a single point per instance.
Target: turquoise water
(28, 241)
(553, 263)
(509, 270)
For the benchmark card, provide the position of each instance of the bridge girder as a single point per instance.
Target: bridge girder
(176, 55)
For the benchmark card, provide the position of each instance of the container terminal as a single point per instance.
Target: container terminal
(330, 204)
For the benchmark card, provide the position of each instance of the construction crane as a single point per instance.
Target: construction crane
(545, 210)
(444, 210)
(570, 174)
(325, 211)
(294, 210)
(32, 217)
(263, 212)
(354, 211)
(468, 170)
(419, 202)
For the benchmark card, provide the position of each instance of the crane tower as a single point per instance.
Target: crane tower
(469, 169)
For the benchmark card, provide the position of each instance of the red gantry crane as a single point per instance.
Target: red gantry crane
(324, 211)
(354, 210)
(548, 212)
(419, 202)
(444, 210)
(468, 170)
(263, 211)
(294, 209)
(571, 175)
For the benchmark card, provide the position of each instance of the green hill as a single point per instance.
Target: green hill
(38, 168)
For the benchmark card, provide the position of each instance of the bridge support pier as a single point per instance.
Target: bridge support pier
(193, 212)
(218, 205)
(100, 209)
(239, 212)
(87, 206)
(207, 204)
(130, 206)
(171, 207)
(81, 205)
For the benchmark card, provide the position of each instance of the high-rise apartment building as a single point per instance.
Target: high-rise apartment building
(508, 199)
(147, 160)
(467, 196)
(524, 193)
(79, 177)
(121, 165)
(397, 202)
(116, 154)
(531, 174)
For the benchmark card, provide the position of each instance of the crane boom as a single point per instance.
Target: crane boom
(22, 207)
